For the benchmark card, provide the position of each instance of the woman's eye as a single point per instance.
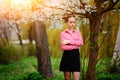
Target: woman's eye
(72, 22)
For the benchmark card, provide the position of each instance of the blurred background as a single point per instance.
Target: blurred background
(18, 60)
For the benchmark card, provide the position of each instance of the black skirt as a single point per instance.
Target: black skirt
(70, 61)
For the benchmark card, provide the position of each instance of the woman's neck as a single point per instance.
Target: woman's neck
(70, 30)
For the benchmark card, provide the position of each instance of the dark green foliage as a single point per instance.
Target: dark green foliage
(105, 71)
(19, 69)
(26, 69)
(10, 53)
(104, 66)
(113, 69)
(33, 76)
(31, 50)
(108, 76)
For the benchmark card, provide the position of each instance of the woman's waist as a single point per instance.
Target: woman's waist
(69, 47)
(71, 50)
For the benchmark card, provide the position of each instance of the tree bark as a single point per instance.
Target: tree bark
(30, 34)
(116, 54)
(43, 56)
(18, 34)
(94, 28)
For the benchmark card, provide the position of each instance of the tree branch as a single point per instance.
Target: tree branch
(83, 4)
(67, 10)
(110, 7)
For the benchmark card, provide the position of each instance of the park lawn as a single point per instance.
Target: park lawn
(19, 69)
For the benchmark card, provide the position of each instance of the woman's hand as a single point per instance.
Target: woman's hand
(65, 42)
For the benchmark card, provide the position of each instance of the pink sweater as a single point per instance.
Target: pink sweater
(75, 39)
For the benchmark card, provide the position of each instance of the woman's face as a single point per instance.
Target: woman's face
(71, 22)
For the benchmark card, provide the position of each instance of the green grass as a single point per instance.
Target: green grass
(27, 65)
(14, 71)
(55, 66)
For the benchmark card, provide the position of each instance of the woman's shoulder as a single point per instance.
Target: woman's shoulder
(77, 31)
(64, 31)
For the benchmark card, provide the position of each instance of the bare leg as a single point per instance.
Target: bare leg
(67, 75)
(76, 75)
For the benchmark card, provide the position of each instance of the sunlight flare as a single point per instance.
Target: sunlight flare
(19, 1)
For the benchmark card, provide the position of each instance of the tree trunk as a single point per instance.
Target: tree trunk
(30, 34)
(43, 56)
(5, 32)
(18, 34)
(20, 39)
(94, 31)
(116, 54)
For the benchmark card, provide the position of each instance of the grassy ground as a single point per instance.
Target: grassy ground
(19, 69)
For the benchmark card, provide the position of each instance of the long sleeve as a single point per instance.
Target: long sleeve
(79, 41)
(75, 39)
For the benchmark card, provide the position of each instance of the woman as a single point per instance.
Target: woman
(71, 40)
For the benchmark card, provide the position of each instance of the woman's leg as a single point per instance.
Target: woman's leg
(76, 75)
(67, 75)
